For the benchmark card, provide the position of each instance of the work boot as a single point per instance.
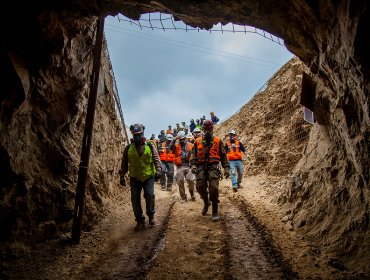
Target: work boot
(151, 221)
(215, 217)
(205, 207)
(169, 188)
(163, 187)
(184, 199)
(140, 226)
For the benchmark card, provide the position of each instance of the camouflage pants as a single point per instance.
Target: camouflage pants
(208, 182)
(184, 173)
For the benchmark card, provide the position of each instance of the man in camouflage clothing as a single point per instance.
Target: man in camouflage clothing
(207, 153)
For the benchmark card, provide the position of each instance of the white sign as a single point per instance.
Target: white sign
(308, 115)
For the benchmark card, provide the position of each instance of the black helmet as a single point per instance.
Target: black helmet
(137, 128)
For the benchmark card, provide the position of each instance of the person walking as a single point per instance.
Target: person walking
(192, 125)
(190, 138)
(140, 159)
(167, 158)
(214, 118)
(207, 153)
(198, 125)
(169, 130)
(182, 150)
(234, 149)
(162, 136)
(197, 133)
(185, 127)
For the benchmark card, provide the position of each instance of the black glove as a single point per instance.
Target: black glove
(227, 173)
(157, 176)
(122, 181)
(194, 169)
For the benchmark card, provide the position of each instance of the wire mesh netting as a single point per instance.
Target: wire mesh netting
(277, 135)
(160, 21)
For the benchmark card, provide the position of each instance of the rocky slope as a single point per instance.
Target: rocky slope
(271, 124)
(307, 170)
(42, 121)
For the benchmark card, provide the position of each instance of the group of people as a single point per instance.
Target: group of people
(188, 129)
(197, 161)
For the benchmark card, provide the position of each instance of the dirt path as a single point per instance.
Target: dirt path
(183, 245)
(197, 248)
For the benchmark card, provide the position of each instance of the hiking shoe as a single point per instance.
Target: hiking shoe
(163, 188)
(183, 200)
(215, 217)
(151, 221)
(140, 226)
(205, 209)
(169, 189)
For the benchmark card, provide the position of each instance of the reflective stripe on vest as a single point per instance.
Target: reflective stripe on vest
(214, 152)
(234, 152)
(178, 152)
(140, 167)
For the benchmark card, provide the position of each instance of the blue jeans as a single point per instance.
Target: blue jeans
(236, 166)
(167, 173)
(148, 187)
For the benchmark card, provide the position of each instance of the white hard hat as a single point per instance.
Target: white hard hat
(189, 135)
(232, 131)
(197, 130)
(169, 137)
(181, 134)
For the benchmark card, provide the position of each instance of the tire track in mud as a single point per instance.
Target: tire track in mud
(158, 244)
(250, 251)
(129, 254)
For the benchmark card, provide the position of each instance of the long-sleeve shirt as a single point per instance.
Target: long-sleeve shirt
(223, 156)
(140, 150)
(192, 127)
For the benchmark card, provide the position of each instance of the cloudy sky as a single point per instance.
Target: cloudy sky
(166, 77)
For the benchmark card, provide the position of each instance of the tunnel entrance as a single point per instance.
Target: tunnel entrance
(328, 194)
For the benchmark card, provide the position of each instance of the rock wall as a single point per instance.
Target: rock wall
(323, 193)
(42, 120)
(271, 125)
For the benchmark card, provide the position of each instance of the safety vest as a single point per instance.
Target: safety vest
(170, 156)
(214, 152)
(234, 152)
(163, 155)
(140, 167)
(162, 152)
(178, 152)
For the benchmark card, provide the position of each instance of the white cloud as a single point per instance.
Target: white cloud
(168, 77)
